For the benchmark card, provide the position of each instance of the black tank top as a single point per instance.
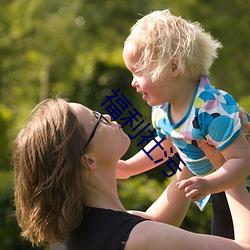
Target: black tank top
(102, 229)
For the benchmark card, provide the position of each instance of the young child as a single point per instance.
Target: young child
(170, 59)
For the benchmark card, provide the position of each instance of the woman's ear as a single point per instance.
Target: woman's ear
(89, 161)
(175, 66)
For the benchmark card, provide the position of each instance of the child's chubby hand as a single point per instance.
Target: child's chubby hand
(122, 170)
(195, 187)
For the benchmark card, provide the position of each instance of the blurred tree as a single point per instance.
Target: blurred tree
(227, 21)
(51, 47)
(244, 102)
(72, 48)
(5, 123)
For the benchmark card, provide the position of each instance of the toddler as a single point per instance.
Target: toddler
(170, 59)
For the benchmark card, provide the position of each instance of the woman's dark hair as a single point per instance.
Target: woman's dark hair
(49, 180)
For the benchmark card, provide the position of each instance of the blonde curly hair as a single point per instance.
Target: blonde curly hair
(49, 181)
(161, 36)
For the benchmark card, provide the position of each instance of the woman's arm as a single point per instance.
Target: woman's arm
(171, 207)
(239, 203)
(159, 236)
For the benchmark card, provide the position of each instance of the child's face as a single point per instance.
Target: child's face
(154, 93)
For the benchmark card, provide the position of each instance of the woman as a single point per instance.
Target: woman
(65, 191)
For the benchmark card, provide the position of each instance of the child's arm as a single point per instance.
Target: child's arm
(233, 172)
(140, 162)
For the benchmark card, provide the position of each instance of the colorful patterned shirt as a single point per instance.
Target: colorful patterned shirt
(213, 115)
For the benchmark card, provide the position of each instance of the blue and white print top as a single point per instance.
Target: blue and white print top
(213, 115)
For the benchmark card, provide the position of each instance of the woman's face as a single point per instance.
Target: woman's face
(109, 140)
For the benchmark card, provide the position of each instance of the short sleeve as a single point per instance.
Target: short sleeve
(159, 121)
(218, 119)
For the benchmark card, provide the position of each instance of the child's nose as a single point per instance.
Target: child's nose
(134, 83)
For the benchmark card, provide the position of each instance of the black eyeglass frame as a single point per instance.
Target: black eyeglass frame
(100, 118)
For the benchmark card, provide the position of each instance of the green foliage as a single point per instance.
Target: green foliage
(228, 22)
(5, 124)
(244, 102)
(197, 221)
(139, 192)
(73, 48)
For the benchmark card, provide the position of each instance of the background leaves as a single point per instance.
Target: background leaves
(73, 48)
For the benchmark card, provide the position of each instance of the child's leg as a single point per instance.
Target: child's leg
(222, 224)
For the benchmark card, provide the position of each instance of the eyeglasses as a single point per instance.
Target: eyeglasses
(100, 118)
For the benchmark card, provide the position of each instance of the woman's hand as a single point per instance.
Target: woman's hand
(215, 157)
(245, 124)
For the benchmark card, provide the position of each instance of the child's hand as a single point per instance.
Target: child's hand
(122, 170)
(194, 187)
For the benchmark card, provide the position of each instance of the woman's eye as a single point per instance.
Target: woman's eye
(106, 122)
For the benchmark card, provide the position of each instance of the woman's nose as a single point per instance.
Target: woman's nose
(108, 117)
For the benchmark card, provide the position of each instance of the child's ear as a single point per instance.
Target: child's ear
(175, 66)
